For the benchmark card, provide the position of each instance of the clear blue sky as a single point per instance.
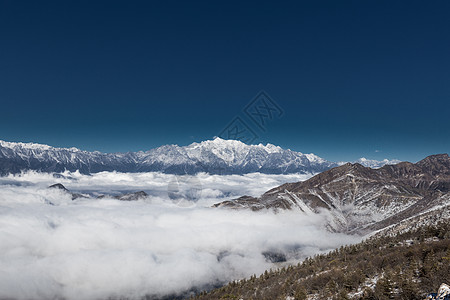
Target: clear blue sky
(354, 78)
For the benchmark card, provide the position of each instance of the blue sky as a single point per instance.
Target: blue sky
(353, 78)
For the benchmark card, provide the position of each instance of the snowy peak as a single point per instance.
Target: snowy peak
(227, 146)
(234, 157)
(372, 163)
(271, 148)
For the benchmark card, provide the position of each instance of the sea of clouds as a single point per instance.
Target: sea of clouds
(52, 247)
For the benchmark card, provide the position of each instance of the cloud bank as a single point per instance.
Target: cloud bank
(53, 247)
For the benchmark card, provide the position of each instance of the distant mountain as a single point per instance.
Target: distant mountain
(216, 156)
(362, 199)
(374, 164)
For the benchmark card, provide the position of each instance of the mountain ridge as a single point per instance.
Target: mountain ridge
(215, 156)
(361, 199)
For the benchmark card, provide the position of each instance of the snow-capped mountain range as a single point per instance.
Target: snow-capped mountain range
(215, 156)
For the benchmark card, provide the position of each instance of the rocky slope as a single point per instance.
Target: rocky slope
(361, 199)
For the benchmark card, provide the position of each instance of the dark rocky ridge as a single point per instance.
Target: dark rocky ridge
(61, 187)
(132, 196)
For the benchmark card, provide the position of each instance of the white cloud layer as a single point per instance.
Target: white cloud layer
(101, 248)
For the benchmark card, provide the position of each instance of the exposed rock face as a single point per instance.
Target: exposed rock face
(132, 196)
(361, 199)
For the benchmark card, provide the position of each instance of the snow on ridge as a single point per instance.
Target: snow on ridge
(314, 158)
(34, 146)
